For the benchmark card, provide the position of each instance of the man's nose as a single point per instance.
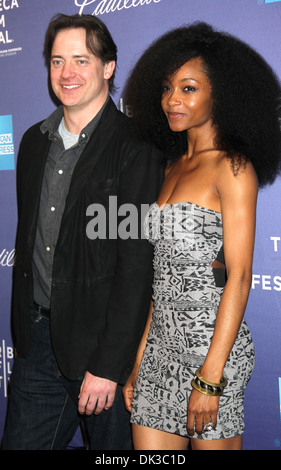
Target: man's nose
(68, 70)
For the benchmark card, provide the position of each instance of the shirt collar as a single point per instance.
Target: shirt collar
(51, 124)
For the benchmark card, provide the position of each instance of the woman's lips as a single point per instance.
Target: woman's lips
(174, 115)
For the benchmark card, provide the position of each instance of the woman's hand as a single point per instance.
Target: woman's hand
(202, 409)
(128, 391)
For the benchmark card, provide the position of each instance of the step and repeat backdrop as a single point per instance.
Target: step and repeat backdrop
(24, 100)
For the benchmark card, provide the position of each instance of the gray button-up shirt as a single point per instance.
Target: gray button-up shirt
(57, 176)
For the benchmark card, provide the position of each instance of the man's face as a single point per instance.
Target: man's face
(79, 78)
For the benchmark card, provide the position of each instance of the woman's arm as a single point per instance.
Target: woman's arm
(238, 195)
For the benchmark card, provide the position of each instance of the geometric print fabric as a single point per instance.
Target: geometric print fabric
(187, 239)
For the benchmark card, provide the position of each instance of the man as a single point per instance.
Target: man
(80, 301)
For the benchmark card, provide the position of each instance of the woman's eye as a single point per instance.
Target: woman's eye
(189, 88)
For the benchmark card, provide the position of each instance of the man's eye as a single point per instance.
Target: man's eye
(56, 63)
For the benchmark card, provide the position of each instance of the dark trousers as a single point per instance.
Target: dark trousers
(42, 406)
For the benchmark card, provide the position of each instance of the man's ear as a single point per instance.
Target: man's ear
(109, 69)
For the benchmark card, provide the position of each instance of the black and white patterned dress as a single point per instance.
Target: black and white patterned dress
(186, 295)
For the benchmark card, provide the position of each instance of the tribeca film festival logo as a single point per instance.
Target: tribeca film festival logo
(7, 160)
(266, 281)
(5, 39)
(6, 361)
(99, 7)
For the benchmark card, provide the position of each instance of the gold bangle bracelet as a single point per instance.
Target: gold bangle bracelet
(222, 383)
(206, 387)
(207, 390)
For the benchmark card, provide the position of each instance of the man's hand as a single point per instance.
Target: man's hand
(96, 394)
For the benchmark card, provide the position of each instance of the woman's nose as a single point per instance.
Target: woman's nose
(174, 98)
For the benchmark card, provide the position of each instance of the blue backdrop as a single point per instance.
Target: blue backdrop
(24, 100)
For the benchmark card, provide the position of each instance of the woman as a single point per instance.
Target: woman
(210, 102)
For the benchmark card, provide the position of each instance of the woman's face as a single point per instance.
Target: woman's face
(187, 99)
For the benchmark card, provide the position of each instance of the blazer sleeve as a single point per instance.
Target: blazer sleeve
(140, 183)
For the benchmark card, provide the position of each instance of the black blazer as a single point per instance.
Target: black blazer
(101, 287)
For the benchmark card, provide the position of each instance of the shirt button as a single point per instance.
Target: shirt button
(83, 135)
(60, 172)
(48, 248)
(53, 209)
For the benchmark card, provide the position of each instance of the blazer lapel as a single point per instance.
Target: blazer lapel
(40, 149)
